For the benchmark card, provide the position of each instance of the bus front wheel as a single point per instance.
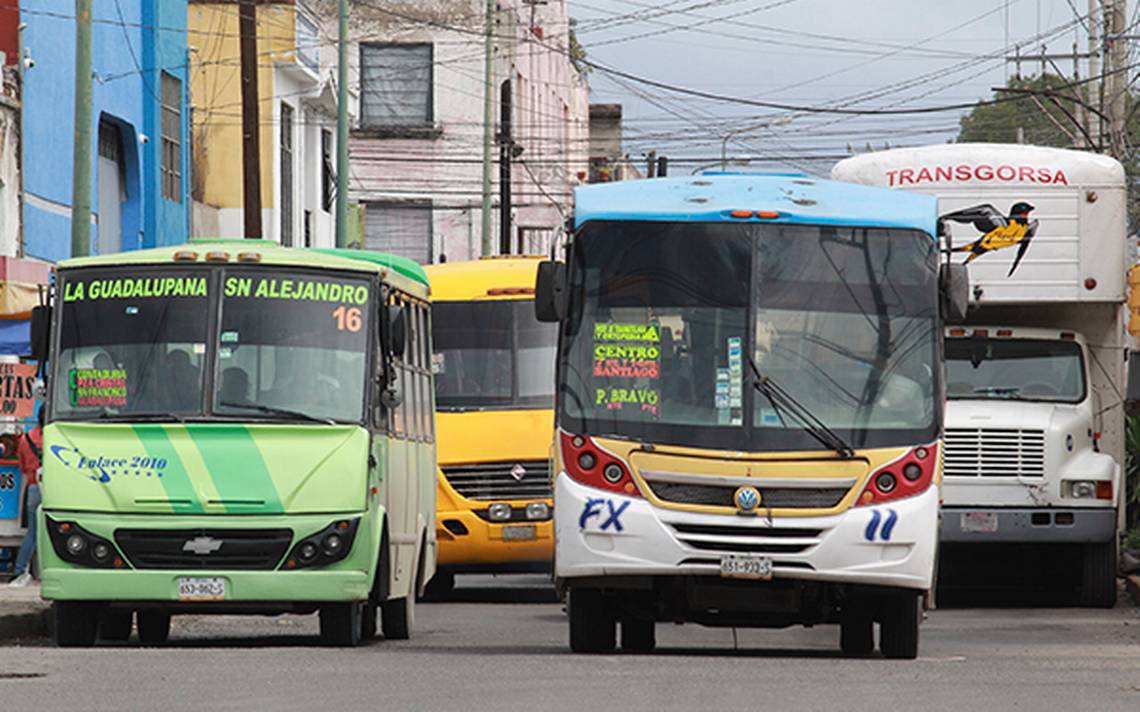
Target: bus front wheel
(898, 629)
(153, 625)
(76, 623)
(341, 624)
(593, 628)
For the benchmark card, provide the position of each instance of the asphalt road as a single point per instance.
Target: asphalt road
(501, 644)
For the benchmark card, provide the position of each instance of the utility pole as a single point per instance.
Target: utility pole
(81, 152)
(506, 152)
(1116, 84)
(342, 128)
(651, 165)
(250, 145)
(488, 119)
(1094, 89)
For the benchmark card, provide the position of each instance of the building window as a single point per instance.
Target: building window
(308, 42)
(328, 174)
(399, 228)
(286, 175)
(171, 138)
(396, 85)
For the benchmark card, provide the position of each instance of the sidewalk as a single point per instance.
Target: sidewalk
(22, 613)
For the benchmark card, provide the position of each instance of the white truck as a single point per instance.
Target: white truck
(1034, 423)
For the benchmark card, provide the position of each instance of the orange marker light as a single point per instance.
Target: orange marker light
(981, 333)
(629, 487)
(741, 213)
(186, 255)
(868, 497)
(767, 214)
(1005, 332)
(249, 257)
(957, 332)
(217, 256)
(1104, 490)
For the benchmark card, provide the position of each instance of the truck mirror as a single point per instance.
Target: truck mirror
(394, 338)
(550, 291)
(1132, 388)
(40, 333)
(954, 285)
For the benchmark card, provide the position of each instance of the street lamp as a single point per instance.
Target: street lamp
(736, 132)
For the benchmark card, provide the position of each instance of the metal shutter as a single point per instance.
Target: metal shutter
(403, 230)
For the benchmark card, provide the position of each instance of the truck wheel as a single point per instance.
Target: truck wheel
(115, 624)
(398, 615)
(856, 634)
(592, 623)
(153, 625)
(898, 630)
(76, 623)
(1098, 575)
(341, 624)
(638, 636)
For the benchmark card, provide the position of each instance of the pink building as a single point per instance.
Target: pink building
(417, 73)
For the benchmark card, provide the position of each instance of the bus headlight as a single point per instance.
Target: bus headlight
(329, 545)
(1082, 489)
(499, 512)
(537, 510)
(76, 545)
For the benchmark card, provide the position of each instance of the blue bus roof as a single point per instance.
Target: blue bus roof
(712, 198)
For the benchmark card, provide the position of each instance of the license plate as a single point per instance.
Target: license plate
(743, 566)
(211, 588)
(979, 522)
(523, 532)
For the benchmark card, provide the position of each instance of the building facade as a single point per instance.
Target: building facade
(297, 122)
(139, 130)
(417, 69)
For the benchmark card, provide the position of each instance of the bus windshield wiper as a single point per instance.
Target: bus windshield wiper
(781, 400)
(271, 410)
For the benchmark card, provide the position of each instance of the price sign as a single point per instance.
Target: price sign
(17, 390)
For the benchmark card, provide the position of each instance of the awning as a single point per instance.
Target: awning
(21, 282)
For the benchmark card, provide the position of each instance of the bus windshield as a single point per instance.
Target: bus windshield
(493, 355)
(287, 346)
(1014, 369)
(671, 325)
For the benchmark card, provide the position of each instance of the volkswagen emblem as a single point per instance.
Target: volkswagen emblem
(202, 545)
(746, 498)
(518, 472)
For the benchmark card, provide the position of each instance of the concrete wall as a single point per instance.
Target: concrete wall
(132, 43)
(10, 162)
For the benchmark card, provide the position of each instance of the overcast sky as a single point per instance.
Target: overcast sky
(867, 54)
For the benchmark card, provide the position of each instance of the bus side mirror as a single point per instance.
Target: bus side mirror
(40, 333)
(395, 337)
(954, 286)
(550, 291)
(1132, 388)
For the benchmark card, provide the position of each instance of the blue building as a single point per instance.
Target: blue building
(139, 132)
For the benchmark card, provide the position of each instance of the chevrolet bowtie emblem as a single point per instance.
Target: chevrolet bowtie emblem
(518, 472)
(202, 545)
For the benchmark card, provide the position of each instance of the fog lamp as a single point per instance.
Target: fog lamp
(307, 551)
(76, 544)
(912, 472)
(1082, 489)
(499, 512)
(101, 552)
(537, 510)
(587, 461)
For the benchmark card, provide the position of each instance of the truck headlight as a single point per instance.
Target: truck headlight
(1082, 489)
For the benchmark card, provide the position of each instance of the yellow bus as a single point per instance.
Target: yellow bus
(494, 366)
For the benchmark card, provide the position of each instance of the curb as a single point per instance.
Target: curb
(25, 621)
(1132, 585)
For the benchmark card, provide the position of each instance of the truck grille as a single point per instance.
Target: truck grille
(496, 481)
(203, 548)
(994, 452)
(774, 497)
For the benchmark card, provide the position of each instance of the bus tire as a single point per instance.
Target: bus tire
(592, 623)
(341, 624)
(856, 634)
(76, 623)
(153, 625)
(898, 630)
(638, 636)
(1098, 575)
(115, 624)
(440, 585)
(369, 619)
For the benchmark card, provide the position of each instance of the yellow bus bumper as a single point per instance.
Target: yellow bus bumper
(483, 544)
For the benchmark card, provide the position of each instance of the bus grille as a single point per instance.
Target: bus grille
(746, 538)
(994, 452)
(771, 497)
(530, 480)
(204, 548)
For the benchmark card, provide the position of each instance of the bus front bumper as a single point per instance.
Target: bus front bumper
(602, 534)
(469, 543)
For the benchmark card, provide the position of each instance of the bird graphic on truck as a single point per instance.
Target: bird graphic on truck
(998, 231)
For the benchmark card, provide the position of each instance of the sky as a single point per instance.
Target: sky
(854, 54)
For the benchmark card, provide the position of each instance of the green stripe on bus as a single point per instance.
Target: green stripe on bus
(176, 480)
(237, 468)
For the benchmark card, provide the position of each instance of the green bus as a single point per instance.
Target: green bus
(236, 427)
